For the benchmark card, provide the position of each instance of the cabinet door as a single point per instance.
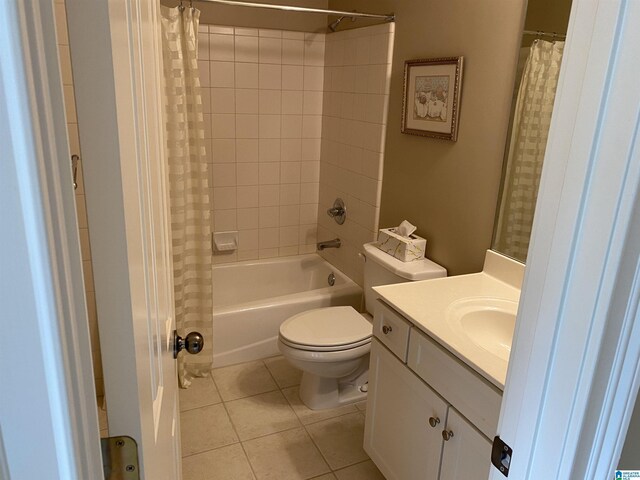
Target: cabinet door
(467, 454)
(397, 435)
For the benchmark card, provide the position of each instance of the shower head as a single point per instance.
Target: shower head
(334, 25)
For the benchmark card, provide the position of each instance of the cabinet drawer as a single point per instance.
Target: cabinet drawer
(474, 397)
(391, 329)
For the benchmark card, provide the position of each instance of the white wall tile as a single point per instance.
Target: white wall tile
(314, 52)
(270, 102)
(203, 45)
(313, 78)
(248, 218)
(270, 126)
(289, 215)
(224, 198)
(269, 237)
(247, 150)
(247, 173)
(247, 126)
(269, 173)
(248, 196)
(223, 125)
(251, 32)
(292, 102)
(270, 77)
(221, 29)
(311, 126)
(311, 148)
(270, 50)
(309, 192)
(269, 150)
(290, 172)
(289, 236)
(65, 65)
(248, 239)
(269, 195)
(70, 104)
(223, 150)
(246, 100)
(246, 75)
(292, 77)
(308, 213)
(270, 33)
(293, 35)
(310, 172)
(291, 126)
(223, 100)
(308, 234)
(269, 217)
(222, 74)
(246, 49)
(221, 47)
(291, 149)
(293, 52)
(203, 73)
(290, 194)
(225, 220)
(312, 103)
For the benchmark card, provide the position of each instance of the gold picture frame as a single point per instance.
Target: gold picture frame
(431, 99)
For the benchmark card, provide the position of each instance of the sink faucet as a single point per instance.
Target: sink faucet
(335, 243)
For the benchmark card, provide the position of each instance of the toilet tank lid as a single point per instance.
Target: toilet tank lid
(417, 270)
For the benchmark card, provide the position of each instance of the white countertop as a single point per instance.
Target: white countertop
(425, 304)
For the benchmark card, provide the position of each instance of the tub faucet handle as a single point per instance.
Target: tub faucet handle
(338, 212)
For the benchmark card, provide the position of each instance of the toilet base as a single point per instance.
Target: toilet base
(318, 393)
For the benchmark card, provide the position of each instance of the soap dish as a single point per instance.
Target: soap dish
(225, 241)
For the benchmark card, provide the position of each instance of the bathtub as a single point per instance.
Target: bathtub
(251, 299)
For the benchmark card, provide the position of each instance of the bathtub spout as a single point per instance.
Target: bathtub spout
(335, 243)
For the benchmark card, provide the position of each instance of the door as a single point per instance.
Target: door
(398, 435)
(466, 453)
(116, 58)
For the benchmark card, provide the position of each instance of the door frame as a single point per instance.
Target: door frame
(46, 360)
(573, 231)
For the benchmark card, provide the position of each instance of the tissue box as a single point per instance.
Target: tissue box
(406, 249)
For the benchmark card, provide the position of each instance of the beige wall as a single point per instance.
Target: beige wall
(259, 17)
(449, 190)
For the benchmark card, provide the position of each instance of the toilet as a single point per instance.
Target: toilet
(331, 345)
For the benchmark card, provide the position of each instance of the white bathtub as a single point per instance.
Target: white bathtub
(251, 299)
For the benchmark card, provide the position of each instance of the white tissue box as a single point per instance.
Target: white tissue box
(406, 249)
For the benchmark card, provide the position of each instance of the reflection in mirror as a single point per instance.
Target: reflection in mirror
(534, 94)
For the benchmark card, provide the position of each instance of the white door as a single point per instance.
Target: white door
(466, 453)
(116, 57)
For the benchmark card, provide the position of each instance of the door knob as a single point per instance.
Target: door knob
(386, 329)
(434, 421)
(447, 435)
(192, 343)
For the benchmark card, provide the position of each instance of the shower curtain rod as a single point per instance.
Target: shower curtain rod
(290, 8)
(540, 33)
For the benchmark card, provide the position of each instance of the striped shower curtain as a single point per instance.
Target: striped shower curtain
(188, 186)
(529, 134)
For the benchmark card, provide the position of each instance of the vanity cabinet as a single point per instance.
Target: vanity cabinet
(414, 430)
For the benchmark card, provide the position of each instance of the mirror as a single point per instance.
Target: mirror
(534, 93)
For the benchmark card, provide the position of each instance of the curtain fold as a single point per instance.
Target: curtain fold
(527, 146)
(188, 186)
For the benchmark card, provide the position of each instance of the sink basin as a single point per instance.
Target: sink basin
(485, 321)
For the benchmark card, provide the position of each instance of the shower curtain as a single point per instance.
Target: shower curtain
(188, 186)
(527, 146)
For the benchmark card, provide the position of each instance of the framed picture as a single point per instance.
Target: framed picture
(431, 101)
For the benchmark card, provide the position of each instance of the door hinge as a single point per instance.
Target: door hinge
(120, 458)
(501, 455)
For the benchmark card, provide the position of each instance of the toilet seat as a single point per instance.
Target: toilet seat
(326, 329)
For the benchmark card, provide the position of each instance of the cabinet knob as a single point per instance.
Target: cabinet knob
(447, 435)
(386, 329)
(434, 421)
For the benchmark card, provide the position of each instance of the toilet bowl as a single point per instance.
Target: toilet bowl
(331, 345)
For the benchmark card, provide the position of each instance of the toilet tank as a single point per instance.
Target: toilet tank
(380, 268)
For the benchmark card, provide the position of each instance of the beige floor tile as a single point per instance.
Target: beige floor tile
(226, 463)
(289, 455)
(261, 415)
(362, 471)
(306, 415)
(243, 380)
(205, 428)
(286, 375)
(201, 392)
(328, 476)
(340, 439)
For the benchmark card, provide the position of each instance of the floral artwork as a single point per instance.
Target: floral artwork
(431, 97)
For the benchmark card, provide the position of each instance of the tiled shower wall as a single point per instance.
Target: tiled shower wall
(262, 95)
(81, 208)
(356, 97)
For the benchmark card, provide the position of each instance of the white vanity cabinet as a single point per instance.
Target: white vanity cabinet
(414, 430)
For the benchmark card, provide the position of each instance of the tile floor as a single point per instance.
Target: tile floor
(246, 421)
